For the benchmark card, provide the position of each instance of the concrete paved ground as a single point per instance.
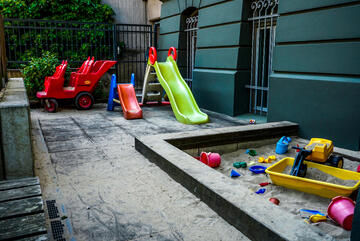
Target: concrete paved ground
(86, 161)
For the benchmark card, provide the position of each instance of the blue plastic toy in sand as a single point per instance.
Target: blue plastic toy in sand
(257, 169)
(306, 213)
(282, 145)
(234, 174)
(261, 191)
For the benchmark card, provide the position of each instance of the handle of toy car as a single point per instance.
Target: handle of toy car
(152, 55)
(173, 53)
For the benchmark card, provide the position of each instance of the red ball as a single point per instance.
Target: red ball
(274, 200)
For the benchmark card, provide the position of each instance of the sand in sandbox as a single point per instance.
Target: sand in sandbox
(290, 200)
(318, 175)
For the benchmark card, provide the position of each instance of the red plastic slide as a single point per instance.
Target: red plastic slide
(129, 102)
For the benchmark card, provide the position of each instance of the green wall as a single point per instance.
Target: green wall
(316, 71)
(222, 55)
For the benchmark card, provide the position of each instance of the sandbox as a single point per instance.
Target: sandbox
(235, 199)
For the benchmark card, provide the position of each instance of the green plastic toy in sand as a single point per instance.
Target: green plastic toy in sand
(240, 164)
(251, 152)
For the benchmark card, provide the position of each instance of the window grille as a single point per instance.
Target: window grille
(264, 16)
(191, 37)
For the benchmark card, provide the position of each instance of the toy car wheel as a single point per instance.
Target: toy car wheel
(340, 163)
(335, 161)
(302, 171)
(84, 101)
(51, 105)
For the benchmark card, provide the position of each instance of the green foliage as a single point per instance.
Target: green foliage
(77, 10)
(71, 41)
(36, 71)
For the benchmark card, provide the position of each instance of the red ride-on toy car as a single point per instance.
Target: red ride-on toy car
(81, 85)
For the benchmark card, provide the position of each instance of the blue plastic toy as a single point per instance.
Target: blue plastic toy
(260, 191)
(132, 80)
(257, 169)
(306, 213)
(113, 93)
(234, 174)
(282, 145)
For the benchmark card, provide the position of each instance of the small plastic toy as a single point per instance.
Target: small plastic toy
(263, 184)
(210, 159)
(282, 145)
(234, 174)
(317, 218)
(252, 121)
(257, 169)
(341, 210)
(251, 152)
(81, 85)
(240, 164)
(318, 150)
(252, 163)
(261, 191)
(307, 213)
(261, 159)
(274, 200)
(267, 160)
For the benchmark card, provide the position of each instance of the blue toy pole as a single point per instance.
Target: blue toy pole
(132, 81)
(112, 94)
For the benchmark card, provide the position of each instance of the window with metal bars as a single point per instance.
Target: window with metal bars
(264, 16)
(187, 45)
(191, 37)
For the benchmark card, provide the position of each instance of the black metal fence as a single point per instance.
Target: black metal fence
(3, 70)
(133, 42)
(75, 41)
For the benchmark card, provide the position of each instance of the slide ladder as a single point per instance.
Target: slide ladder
(152, 89)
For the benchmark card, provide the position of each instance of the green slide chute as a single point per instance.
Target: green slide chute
(181, 98)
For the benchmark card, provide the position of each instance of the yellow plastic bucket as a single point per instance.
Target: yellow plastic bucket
(320, 188)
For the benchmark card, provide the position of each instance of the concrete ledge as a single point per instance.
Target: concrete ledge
(257, 219)
(17, 160)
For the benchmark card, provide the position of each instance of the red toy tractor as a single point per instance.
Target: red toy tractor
(81, 85)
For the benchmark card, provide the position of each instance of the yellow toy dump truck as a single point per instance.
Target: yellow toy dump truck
(318, 150)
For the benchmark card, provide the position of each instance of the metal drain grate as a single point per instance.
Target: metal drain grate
(57, 229)
(52, 209)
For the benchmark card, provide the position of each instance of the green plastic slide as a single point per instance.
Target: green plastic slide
(181, 98)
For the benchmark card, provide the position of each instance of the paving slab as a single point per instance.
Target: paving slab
(108, 189)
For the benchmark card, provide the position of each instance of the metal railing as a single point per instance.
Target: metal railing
(3, 70)
(263, 39)
(75, 41)
(133, 42)
(70, 40)
(191, 37)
